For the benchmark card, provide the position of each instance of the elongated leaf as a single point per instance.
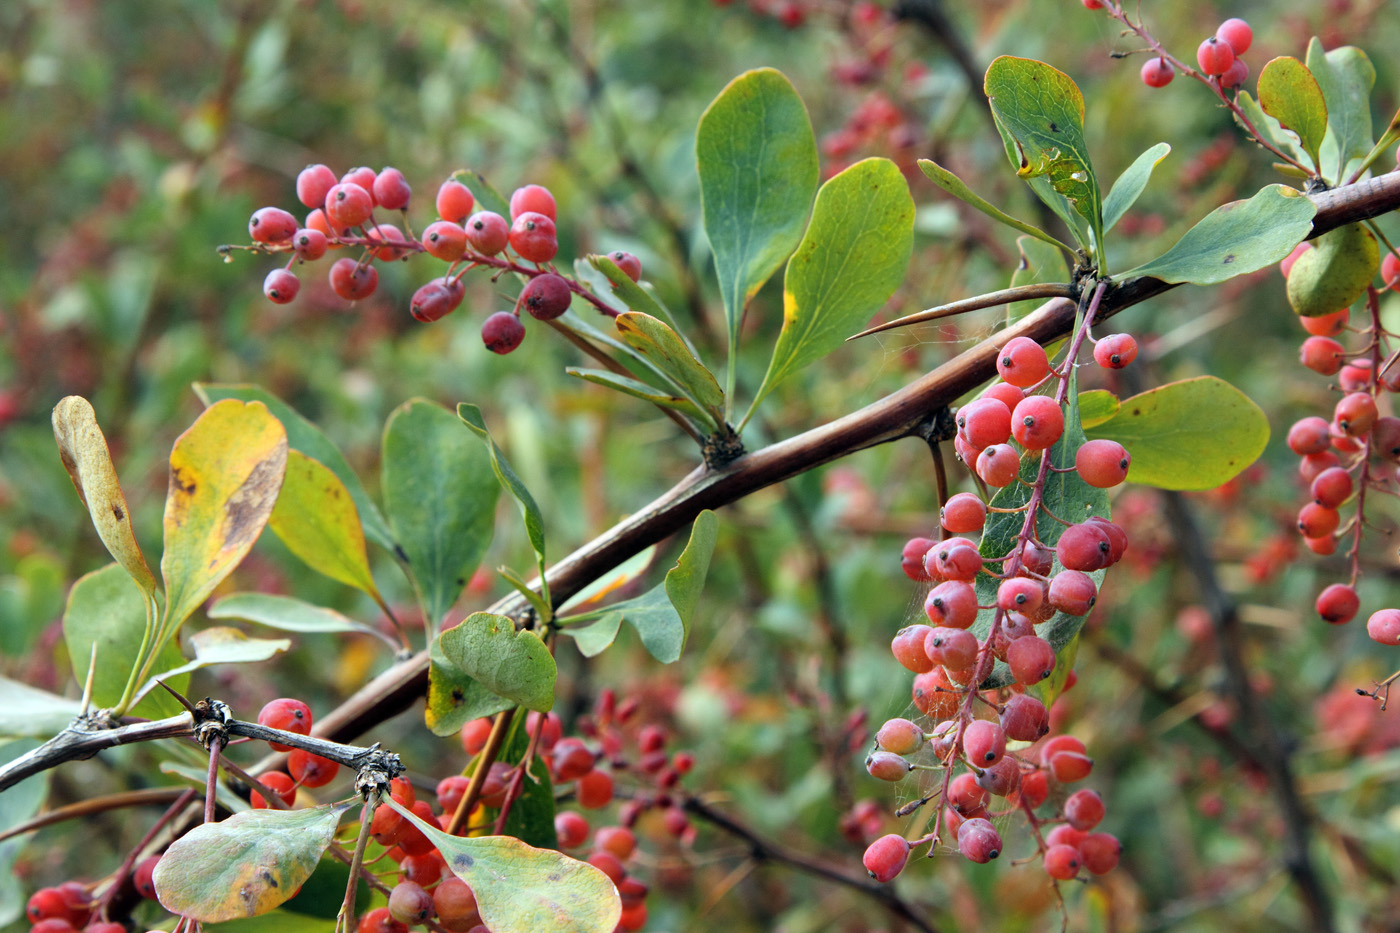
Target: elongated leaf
(316, 519)
(1290, 94)
(1040, 113)
(531, 816)
(83, 450)
(958, 188)
(1346, 77)
(639, 390)
(225, 472)
(454, 699)
(757, 159)
(614, 579)
(1236, 238)
(1096, 406)
(1335, 272)
(1040, 264)
(662, 615)
(284, 612)
(29, 712)
(304, 436)
(595, 637)
(510, 663)
(1130, 184)
(440, 494)
(521, 889)
(664, 347)
(1192, 434)
(245, 865)
(225, 645)
(632, 294)
(854, 256)
(107, 610)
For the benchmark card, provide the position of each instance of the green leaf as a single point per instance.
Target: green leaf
(225, 473)
(854, 256)
(1040, 263)
(521, 889)
(286, 613)
(440, 495)
(668, 352)
(640, 390)
(317, 521)
(1130, 184)
(304, 436)
(1335, 272)
(1192, 434)
(106, 609)
(222, 644)
(487, 197)
(28, 712)
(531, 816)
(83, 450)
(454, 699)
(510, 663)
(1290, 94)
(245, 865)
(1236, 238)
(18, 805)
(662, 615)
(523, 588)
(958, 188)
(757, 160)
(1096, 406)
(1069, 498)
(1346, 77)
(595, 637)
(1040, 113)
(632, 293)
(198, 776)
(534, 520)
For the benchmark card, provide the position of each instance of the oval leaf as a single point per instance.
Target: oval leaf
(668, 352)
(854, 256)
(510, 663)
(1192, 434)
(1096, 406)
(521, 889)
(1335, 272)
(304, 436)
(1235, 238)
(1290, 94)
(454, 699)
(285, 613)
(1130, 184)
(441, 495)
(245, 865)
(225, 472)
(223, 644)
(757, 159)
(83, 450)
(317, 520)
(1346, 77)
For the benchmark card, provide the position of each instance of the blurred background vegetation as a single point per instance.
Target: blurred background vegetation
(137, 137)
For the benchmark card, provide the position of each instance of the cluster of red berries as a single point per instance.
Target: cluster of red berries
(790, 13)
(65, 909)
(1219, 56)
(342, 215)
(1340, 454)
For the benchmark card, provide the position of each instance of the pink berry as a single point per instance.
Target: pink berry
(1083, 547)
(1157, 72)
(1356, 413)
(281, 286)
(630, 265)
(979, 841)
(952, 604)
(984, 743)
(1031, 659)
(907, 646)
(887, 766)
(900, 736)
(1326, 325)
(1024, 718)
(954, 648)
(445, 240)
(1072, 592)
(1084, 809)
(272, 225)
(363, 176)
(912, 558)
(487, 232)
(1236, 32)
(436, 300)
(313, 183)
(1038, 422)
(309, 245)
(954, 559)
(572, 828)
(1099, 852)
(1020, 594)
(1115, 351)
(1102, 463)
(1215, 56)
(1384, 626)
(984, 422)
(1322, 355)
(885, 857)
(1236, 75)
(1331, 488)
(1390, 271)
(1309, 436)
(1022, 362)
(348, 205)
(533, 236)
(390, 189)
(535, 198)
(998, 465)
(964, 512)
(454, 201)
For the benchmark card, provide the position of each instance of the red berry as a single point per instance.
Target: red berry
(286, 714)
(280, 783)
(965, 795)
(1215, 56)
(445, 240)
(1156, 72)
(141, 877)
(487, 232)
(391, 237)
(953, 559)
(436, 300)
(281, 286)
(998, 465)
(272, 225)
(348, 205)
(572, 829)
(46, 904)
(1326, 325)
(952, 604)
(900, 736)
(1022, 362)
(1286, 264)
(533, 237)
(1099, 852)
(984, 422)
(1062, 862)
(965, 512)
(1102, 463)
(630, 265)
(1084, 809)
(455, 905)
(1031, 659)
(380, 920)
(1338, 604)
(1020, 594)
(954, 648)
(887, 766)
(546, 296)
(1322, 355)
(1235, 75)
(983, 742)
(450, 791)
(454, 201)
(1072, 592)
(1092, 4)
(1068, 767)
(536, 198)
(363, 176)
(1384, 626)
(474, 735)
(1024, 718)
(1356, 413)
(885, 858)
(390, 190)
(572, 759)
(409, 903)
(595, 789)
(979, 841)
(1083, 547)
(309, 244)
(908, 648)
(311, 770)
(1390, 271)
(1309, 436)
(1038, 422)
(912, 558)
(313, 183)
(619, 840)
(1236, 32)
(353, 281)
(609, 865)
(1115, 351)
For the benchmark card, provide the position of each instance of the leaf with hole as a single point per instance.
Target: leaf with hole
(454, 699)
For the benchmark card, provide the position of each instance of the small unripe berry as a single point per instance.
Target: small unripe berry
(502, 332)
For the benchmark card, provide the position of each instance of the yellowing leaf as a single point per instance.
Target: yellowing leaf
(317, 520)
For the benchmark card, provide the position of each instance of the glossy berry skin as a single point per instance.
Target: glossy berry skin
(1115, 351)
(1322, 355)
(1038, 422)
(1356, 413)
(1072, 592)
(390, 190)
(279, 783)
(1031, 659)
(1236, 32)
(435, 300)
(487, 232)
(984, 422)
(141, 877)
(353, 281)
(281, 286)
(964, 512)
(1384, 627)
(445, 240)
(1156, 72)
(984, 743)
(1022, 362)
(46, 904)
(952, 604)
(1024, 718)
(348, 205)
(272, 225)
(454, 201)
(912, 558)
(1083, 547)
(998, 465)
(1215, 56)
(313, 184)
(1084, 809)
(979, 841)
(1390, 271)
(954, 648)
(572, 829)
(309, 245)
(533, 237)
(1316, 521)
(572, 759)
(287, 714)
(1309, 436)
(900, 736)
(546, 296)
(409, 903)
(1338, 604)
(953, 559)
(630, 265)
(908, 648)
(311, 770)
(1062, 862)
(536, 198)
(1102, 463)
(379, 920)
(885, 857)
(1020, 594)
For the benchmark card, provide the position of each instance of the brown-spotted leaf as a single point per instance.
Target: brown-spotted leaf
(225, 473)
(245, 865)
(83, 449)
